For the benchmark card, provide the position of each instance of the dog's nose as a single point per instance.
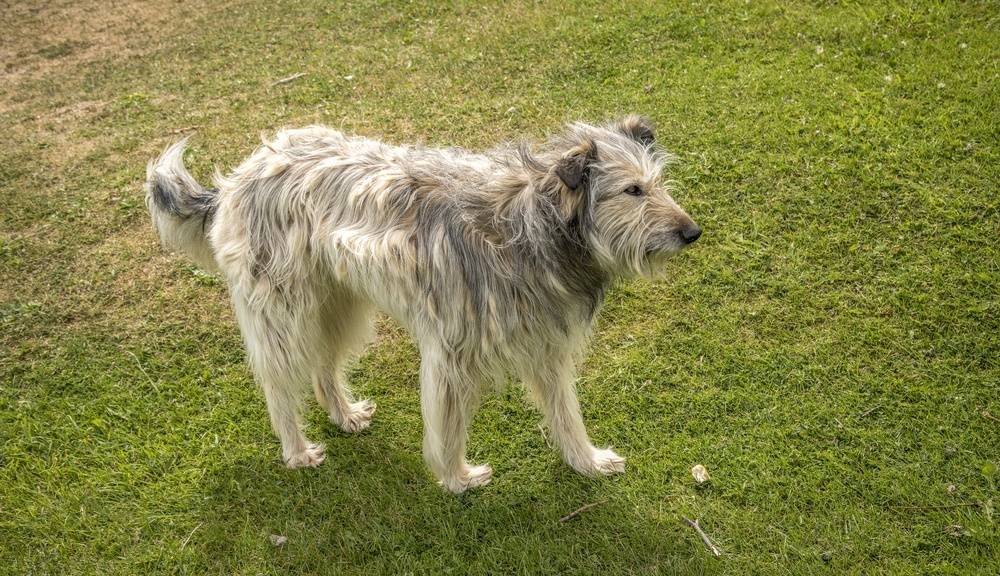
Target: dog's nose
(691, 233)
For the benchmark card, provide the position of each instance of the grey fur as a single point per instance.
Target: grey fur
(495, 263)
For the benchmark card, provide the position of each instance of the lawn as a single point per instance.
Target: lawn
(828, 350)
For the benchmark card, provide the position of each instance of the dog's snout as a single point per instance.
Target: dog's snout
(691, 233)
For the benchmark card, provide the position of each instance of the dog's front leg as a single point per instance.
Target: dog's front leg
(553, 389)
(448, 399)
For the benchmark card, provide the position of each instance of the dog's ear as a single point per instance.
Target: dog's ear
(574, 165)
(572, 170)
(638, 128)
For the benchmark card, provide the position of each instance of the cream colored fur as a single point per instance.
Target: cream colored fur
(495, 263)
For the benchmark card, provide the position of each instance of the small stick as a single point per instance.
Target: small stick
(934, 507)
(153, 384)
(704, 537)
(188, 539)
(289, 79)
(867, 412)
(186, 129)
(544, 437)
(579, 511)
(990, 416)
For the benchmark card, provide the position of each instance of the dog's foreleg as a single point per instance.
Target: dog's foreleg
(552, 387)
(448, 400)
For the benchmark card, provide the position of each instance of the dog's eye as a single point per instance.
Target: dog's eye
(634, 191)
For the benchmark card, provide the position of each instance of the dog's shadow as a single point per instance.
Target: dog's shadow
(373, 504)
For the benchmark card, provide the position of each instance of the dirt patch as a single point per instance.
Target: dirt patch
(38, 37)
(46, 44)
(48, 50)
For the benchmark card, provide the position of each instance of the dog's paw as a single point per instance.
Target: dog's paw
(311, 457)
(470, 477)
(599, 462)
(357, 417)
(606, 462)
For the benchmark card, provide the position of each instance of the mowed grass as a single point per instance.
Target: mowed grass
(828, 350)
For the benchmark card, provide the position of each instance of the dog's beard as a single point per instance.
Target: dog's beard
(657, 254)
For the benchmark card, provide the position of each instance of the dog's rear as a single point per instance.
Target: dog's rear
(182, 209)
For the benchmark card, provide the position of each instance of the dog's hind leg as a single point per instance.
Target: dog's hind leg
(551, 385)
(333, 395)
(346, 325)
(448, 399)
(278, 334)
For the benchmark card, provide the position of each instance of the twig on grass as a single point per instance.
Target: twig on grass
(188, 539)
(942, 507)
(185, 129)
(990, 416)
(867, 412)
(579, 511)
(704, 537)
(544, 437)
(153, 384)
(289, 79)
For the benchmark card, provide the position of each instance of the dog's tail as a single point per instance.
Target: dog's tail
(182, 209)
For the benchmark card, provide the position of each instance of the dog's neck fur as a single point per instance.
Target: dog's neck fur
(508, 214)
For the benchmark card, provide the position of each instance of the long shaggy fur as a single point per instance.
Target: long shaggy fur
(495, 263)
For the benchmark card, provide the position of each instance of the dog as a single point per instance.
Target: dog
(495, 263)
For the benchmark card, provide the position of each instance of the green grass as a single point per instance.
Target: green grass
(828, 350)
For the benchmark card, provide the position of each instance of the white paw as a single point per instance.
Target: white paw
(357, 417)
(598, 462)
(606, 462)
(471, 477)
(311, 457)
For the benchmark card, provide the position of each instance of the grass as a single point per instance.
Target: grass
(828, 350)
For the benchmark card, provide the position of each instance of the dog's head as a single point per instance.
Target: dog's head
(610, 181)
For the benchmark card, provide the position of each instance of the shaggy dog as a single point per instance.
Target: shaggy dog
(496, 264)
